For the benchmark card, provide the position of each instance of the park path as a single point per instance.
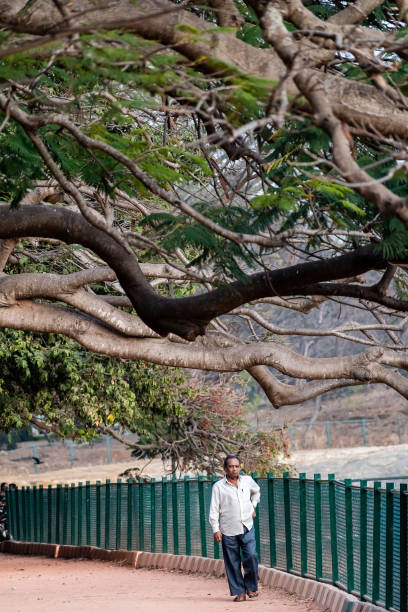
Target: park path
(40, 584)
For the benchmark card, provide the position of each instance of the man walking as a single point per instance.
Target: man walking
(233, 503)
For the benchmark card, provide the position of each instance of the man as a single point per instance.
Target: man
(232, 510)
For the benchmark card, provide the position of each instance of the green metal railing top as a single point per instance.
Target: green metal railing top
(352, 536)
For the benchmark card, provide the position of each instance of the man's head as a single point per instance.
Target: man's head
(231, 466)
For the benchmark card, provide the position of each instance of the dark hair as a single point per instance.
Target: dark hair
(228, 457)
(3, 486)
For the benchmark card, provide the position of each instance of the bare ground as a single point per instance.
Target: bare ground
(385, 411)
(360, 462)
(40, 584)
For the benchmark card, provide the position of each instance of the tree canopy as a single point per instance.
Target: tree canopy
(174, 175)
(51, 382)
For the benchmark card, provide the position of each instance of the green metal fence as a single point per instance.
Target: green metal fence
(352, 536)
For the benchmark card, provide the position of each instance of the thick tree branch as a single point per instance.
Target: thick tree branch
(359, 292)
(226, 13)
(68, 289)
(360, 104)
(364, 367)
(355, 13)
(186, 317)
(281, 394)
(403, 9)
(337, 332)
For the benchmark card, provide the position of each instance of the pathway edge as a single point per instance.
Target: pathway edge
(327, 595)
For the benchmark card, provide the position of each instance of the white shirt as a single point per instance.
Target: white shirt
(231, 507)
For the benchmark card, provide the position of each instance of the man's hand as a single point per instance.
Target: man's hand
(217, 536)
(254, 514)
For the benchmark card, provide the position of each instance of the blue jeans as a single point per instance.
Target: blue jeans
(231, 548)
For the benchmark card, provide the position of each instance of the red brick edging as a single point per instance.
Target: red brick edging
(327, 595)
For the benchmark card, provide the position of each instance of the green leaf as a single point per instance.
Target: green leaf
(353, 207)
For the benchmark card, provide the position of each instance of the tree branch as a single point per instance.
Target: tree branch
(186, 317)
(355, 13)
(281, 394)
(364, 367)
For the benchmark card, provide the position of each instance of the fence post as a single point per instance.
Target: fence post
(65, 514)
(35, 513)
(49, 517)
(141, 513)
(363, 538)
(107, 513)
(202, 515)
(16, 509)
(129, 514)
(153, 515)
(303, 523)
(79, 512)
(187, 516)
(10, 504)
(58, 514)
(98, 513)
(174, 503)
(327, 423)
(88, 512)
(348, 502)
(399, 429)
(376, 543)
(17, 504)
(256, 525)
(72, 504)
(389, 543)
(26, 510)
(41, 511)
(333, 528)
(118, 512)
(271, 513)
(318, 525)
(23, 513)
(364, 431)
(288, 526)
(403, 549)
(28, 514)
(164, 513)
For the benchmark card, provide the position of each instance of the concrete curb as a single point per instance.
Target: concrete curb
(327, 595)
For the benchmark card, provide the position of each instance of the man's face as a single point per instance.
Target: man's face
(232, 468)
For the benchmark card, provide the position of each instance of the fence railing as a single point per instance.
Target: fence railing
(348, 432)
(352, 536)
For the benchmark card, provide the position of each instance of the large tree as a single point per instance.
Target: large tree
(53, 384)
(197, 167)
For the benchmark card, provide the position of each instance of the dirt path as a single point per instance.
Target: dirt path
(39, 584)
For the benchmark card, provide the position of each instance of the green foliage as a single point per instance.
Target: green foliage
(394, 243)
(57, 381)
(11, 439)
(65, 389)
(20, 164)
(205, 245)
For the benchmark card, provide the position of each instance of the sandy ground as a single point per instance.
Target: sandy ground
(356, 462)
(39, 584)
(359, 462)
(380, 462)
(81, 473)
